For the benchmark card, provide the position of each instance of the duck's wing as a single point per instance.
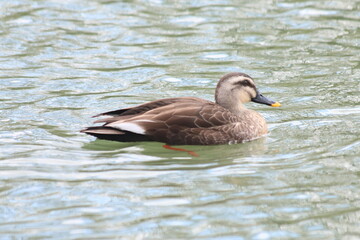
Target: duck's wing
(147, 106)
(187, 114)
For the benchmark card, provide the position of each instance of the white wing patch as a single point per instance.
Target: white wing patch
(134, 126)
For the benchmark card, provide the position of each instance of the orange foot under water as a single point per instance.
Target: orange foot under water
(182, 150)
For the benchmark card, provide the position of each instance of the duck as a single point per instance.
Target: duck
(191, 120)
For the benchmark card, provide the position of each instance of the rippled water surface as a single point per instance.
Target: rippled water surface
(63, 61)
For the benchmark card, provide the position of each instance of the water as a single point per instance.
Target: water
(64, 61)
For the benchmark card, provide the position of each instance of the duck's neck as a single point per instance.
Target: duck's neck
(235, 107)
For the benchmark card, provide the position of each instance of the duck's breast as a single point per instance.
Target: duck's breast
(251, 125)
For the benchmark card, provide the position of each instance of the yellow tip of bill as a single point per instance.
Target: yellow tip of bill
(277, 104)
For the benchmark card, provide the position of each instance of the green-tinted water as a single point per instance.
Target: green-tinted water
(64, 61)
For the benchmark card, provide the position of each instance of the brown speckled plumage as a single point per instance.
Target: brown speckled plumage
(190, 120)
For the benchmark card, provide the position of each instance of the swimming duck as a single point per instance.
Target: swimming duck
(191, 120)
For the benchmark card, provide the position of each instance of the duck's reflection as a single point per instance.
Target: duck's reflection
(153, 153)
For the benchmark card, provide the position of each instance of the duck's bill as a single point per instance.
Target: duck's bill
(264, 100)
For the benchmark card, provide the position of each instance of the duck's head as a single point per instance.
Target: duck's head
(236, 88)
